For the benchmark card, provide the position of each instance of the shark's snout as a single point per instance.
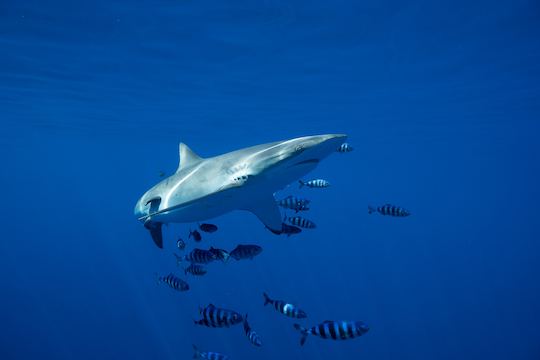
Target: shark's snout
(141, 209)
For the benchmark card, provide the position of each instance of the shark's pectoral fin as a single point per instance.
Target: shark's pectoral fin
(266, 209)
(155, 231)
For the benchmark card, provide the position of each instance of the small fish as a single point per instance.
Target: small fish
(209, 228)
(180, 244)
(285, 308)
(195, 269)
(220, 254)
(294, 203)
(253, 337)
(316, 183)
(195, 235)
(246, 251)
(345, 148)
(289, 229)
(207, 355)
(173, 282)
(388, 209)
(336, 330)
(301, 222)
(218, 317)
(196, 256)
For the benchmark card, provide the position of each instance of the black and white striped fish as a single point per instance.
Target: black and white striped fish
(220, 254)
(246, 251)
(217, 317)
(335, 330)
(208, 355)
(253, 337)
(285, 308)
(389, 209)
(344, 148)
(195, 269)
(315, 183)
(294, 203)
(196, 256)
(289, 229)
(301, 222)
(173, 282)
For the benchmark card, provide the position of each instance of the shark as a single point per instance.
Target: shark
(245, 179)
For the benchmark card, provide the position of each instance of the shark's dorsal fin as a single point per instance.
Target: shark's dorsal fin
(187, 157)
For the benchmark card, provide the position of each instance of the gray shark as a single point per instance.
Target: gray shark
(246, 179)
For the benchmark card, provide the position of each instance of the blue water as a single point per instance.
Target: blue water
(441, 101)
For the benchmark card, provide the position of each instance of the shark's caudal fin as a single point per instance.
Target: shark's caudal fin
(266, 209)
(304, 332)
(187, 157)
(155, 232)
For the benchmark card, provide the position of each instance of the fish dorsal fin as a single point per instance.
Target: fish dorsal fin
(187, 157)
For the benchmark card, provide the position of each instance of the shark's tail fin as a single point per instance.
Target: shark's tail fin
(304, 332)
(196, 352)
(302, 183)
(371, 209)
(267, 299)
(178, 259)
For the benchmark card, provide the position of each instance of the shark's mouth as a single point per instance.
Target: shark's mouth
(306, 162)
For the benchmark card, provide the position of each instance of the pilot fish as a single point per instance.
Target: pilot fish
(196, 256)
(301, 222)
(294, 203)
(316, 183)
(173, 282)
(289, 229)
(207, 355)
(217, 317)
(285, 308)
(344, 148)
(388, 209)
(335, 330)
(209, 228)
(253, 337)
(195, 269)
(220, 254)
(246, 251)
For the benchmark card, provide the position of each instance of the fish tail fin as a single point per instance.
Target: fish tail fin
(304, 332)
(157, 278)
(178, 259)
(302, 183)
(185, 271)
(196, 352)
(370, 209)
(267, 300)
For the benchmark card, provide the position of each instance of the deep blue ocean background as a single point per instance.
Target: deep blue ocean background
(441, 101)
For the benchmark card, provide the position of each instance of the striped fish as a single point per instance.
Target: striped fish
(253, 337)
(285, 308)
(294, 203)
(388, 209)
(289, 229)
(196, 256)
(220, 254)
(173, 282)
(195, 269)
(246, 251)
(345, 148)
(197, 354)
(301, 222)
(335, 330)
(315, 183)
(216, 317)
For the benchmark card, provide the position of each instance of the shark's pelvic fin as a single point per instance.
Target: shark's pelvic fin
(266, 209)
(187, 157)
